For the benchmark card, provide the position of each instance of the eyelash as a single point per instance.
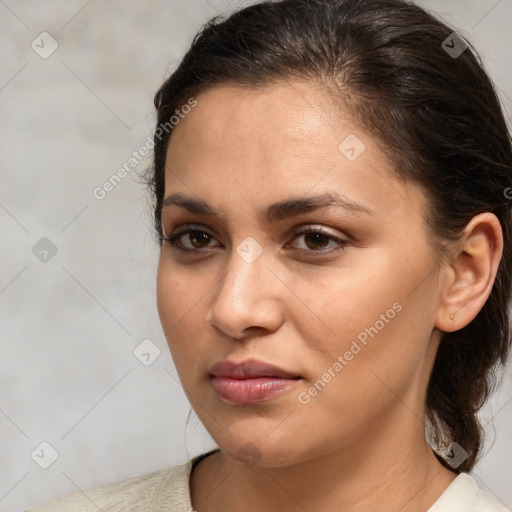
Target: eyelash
(173, 240)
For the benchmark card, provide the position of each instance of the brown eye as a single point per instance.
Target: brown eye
(199, 239)
(316, 241)
(190, 240)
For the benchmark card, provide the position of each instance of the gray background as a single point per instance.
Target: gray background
(70, 325)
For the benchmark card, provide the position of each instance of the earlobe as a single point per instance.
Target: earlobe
(470, 276)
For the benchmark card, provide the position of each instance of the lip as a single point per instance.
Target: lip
(248, 369)
(250, 381)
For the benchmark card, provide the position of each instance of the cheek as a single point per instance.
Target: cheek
(353, 383)
(178, 291)
(180, 304)
(167, 291)
(174, 301)
(367, 326)
(336, 305)
(374, 364)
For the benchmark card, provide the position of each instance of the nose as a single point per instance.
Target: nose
(246, 301)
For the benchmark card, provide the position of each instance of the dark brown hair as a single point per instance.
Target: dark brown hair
(437, 116)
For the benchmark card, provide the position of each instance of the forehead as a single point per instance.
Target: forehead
(255, 145)
(282, 129)
(276, 114)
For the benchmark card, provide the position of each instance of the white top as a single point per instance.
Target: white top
(464, 495)
(169, 490)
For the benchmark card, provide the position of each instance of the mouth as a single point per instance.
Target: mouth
(250, 381)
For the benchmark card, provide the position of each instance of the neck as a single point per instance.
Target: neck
(385, 469)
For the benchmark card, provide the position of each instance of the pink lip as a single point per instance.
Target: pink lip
(250, 381)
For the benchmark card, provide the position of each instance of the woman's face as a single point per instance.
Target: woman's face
(349, 312)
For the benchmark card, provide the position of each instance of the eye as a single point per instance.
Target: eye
(197, 238)
(317, 240)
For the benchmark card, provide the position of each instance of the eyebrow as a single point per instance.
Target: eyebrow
(274, 212)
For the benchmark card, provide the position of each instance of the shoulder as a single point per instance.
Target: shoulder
(464, 494)
(155, 491)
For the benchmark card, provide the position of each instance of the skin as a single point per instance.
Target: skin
(358, 444)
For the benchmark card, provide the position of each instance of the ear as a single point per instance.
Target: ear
(469, 277)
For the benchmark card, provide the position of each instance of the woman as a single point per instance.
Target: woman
(330, 182)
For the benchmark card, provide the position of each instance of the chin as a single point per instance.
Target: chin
(261, 451)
